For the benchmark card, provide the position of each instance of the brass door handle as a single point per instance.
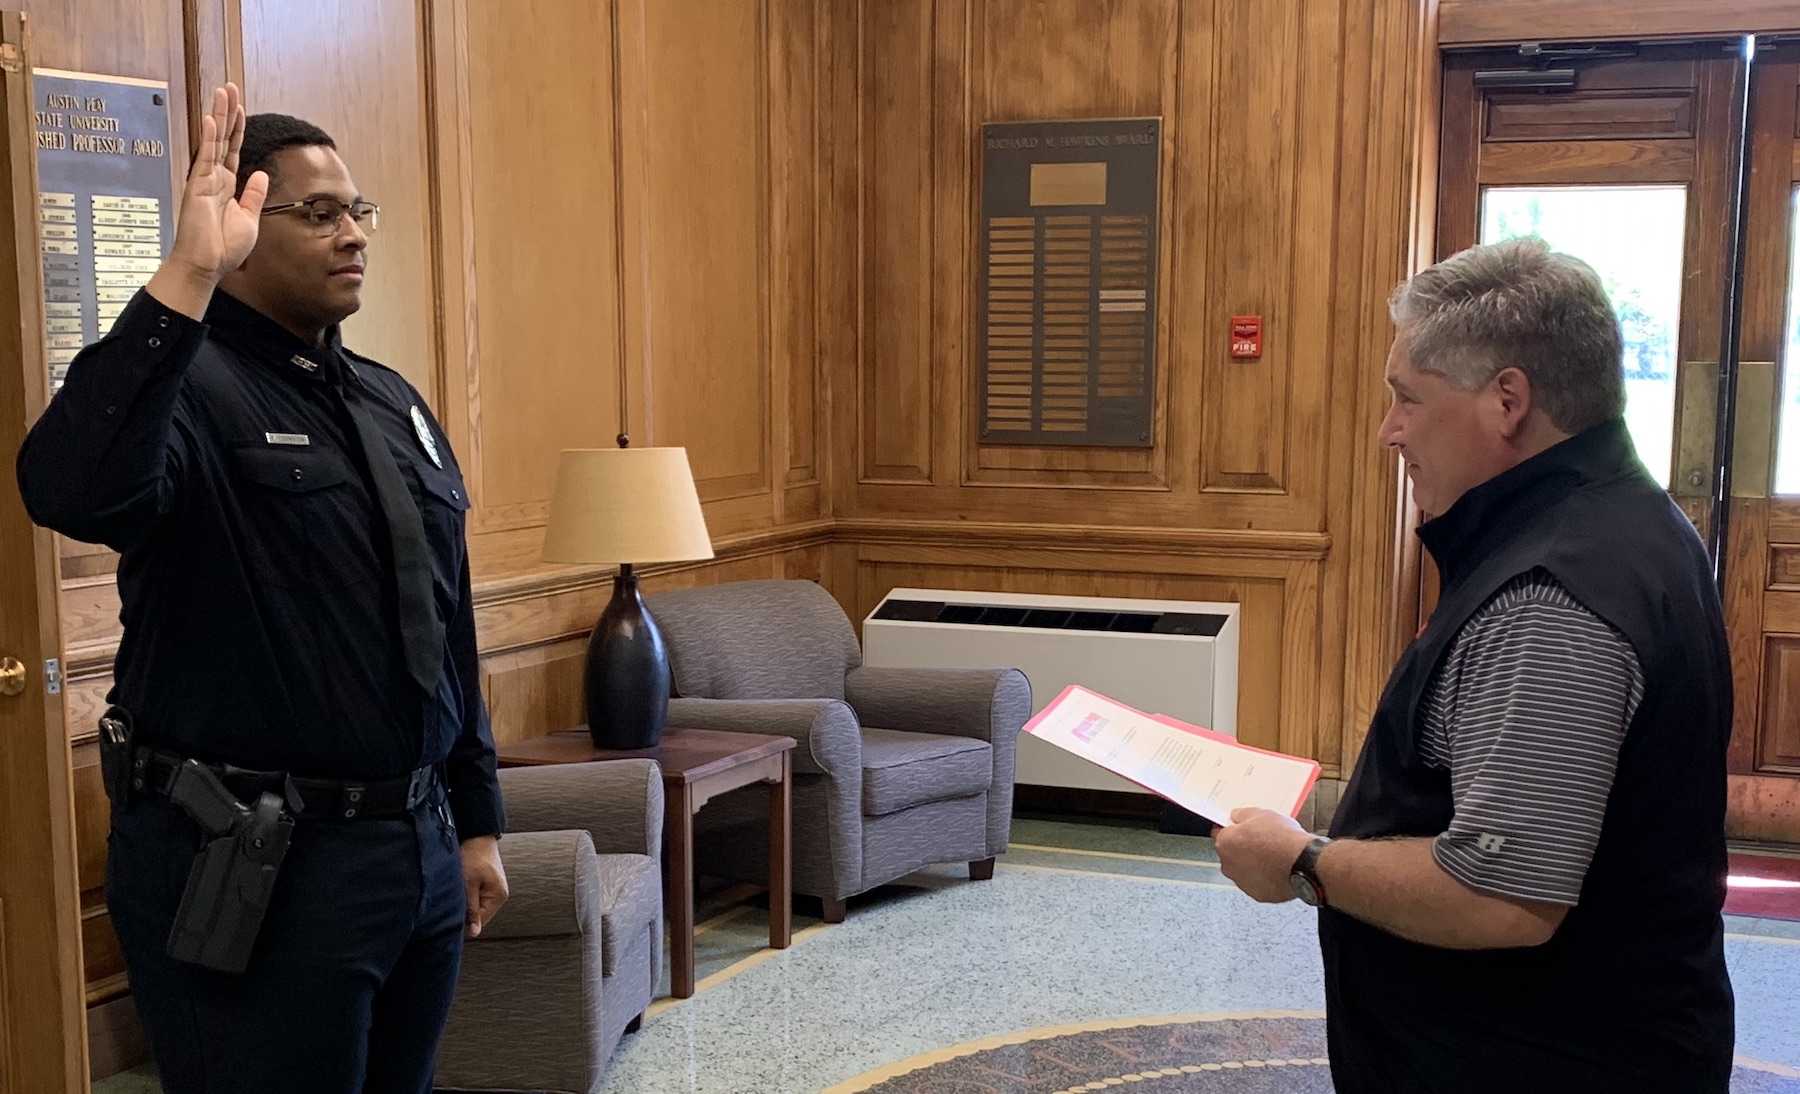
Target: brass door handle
(12, 676)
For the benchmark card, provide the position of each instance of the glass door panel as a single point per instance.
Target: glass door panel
(1632, 236)
(1787, 440)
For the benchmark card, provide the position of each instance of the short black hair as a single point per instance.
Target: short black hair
(267, 136)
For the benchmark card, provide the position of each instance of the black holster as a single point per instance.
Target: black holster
(116, 756)
(233, 875)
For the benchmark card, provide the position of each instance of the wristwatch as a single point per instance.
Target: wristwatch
(1305, 875)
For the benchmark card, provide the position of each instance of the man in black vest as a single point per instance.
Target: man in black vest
(297, 684)
(1522, 891)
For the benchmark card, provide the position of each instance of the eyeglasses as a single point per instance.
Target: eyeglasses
(325, 214)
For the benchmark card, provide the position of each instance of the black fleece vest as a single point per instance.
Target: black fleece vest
(1631, 993)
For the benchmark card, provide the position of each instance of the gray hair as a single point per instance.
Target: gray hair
(1519, 305)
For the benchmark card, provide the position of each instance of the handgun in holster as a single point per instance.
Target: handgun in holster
(233, 874)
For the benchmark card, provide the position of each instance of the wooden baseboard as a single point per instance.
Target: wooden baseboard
(116, 1039)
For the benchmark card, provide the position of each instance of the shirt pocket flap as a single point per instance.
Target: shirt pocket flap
(445, 488)
(297, 472)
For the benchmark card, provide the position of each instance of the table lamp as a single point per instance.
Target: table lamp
(626, 506)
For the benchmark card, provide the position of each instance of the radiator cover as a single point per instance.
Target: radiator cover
(1161, 656)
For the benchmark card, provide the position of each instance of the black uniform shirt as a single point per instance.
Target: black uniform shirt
(256, 578)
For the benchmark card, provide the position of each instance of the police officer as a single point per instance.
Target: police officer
(298, 627)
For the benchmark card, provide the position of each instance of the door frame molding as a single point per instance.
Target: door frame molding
(1468, 23)
(43, 1014)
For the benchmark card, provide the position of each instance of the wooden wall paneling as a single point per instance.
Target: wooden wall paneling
(839, 573)
(1349, 383)
(1313, 277)
(455, 315)
(1045, 59)
(842, 269)
(535, 690)
(215, 52)
(1509, 22)
(1204, 545)
(353, 67)
(87, 680)
(1394, 82)
(795, 182)
(954, 230)
(1187, 271)
(898, 360)
(700, 149)
(1251, 243)
(540, 235)
(1300, 726)
(90, 610)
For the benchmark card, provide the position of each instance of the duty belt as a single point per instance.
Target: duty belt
(153, 771)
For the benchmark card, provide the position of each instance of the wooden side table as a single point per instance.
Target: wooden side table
(697, 766)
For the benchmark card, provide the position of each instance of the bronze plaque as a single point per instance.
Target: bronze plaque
(1068, 281)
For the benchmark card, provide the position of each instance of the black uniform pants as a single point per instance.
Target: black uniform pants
(351, 980)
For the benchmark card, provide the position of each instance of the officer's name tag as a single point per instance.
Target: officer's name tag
(287, 438)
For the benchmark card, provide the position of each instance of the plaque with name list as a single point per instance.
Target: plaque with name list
(1068, 255)
(105, 201)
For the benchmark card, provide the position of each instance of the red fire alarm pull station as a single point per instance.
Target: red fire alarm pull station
(1246, 336)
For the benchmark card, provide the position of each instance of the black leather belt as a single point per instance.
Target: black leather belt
(153, 770)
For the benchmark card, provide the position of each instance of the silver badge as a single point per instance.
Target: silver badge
(425, 439)
(287, 438)
(310, 366)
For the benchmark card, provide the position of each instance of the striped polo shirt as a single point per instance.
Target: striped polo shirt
(1527, 712)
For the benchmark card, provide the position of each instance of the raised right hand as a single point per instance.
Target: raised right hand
(217, 228)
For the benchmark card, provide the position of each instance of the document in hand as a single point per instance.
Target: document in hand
(1205, 772)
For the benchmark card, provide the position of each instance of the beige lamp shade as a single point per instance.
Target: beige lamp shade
(625, 505)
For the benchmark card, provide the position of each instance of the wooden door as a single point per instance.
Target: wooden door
(1626, 155)
(1762, 533)
(43, 1030)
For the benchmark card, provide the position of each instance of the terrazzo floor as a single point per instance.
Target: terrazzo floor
(1082, 923)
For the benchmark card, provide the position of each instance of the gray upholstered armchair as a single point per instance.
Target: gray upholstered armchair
(895, 768)
(573, 958)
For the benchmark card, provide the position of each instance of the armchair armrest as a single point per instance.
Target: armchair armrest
(619, 803)
(987, 704)
(555, 883)
(829, 739)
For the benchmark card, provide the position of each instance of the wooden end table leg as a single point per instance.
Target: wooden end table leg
(781, 871)
(678, 819)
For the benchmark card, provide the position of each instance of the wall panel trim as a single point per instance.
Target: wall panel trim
(991, 535)
(1510, 22)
